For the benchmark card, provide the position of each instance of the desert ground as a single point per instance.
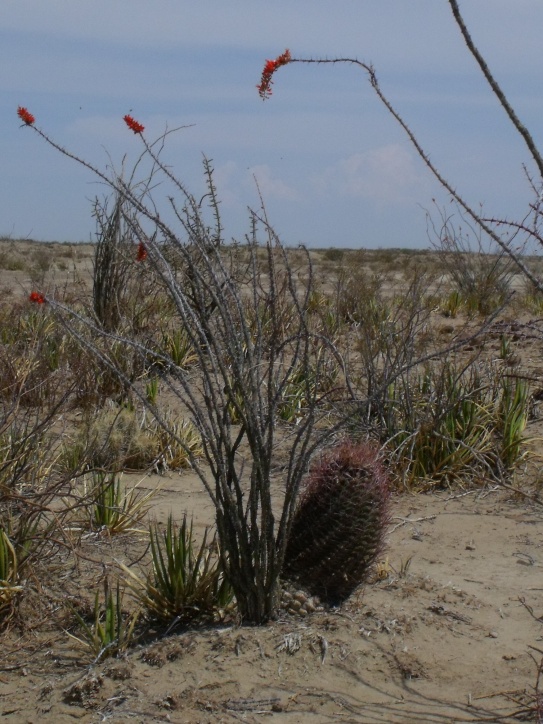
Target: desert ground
(447, 628)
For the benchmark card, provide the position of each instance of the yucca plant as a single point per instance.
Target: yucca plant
(111, 632)
(305, 384)
(114, 508)
(513, 418)
(294, 396)
(235, 406)
(151, 390)
(452, 304)
(177, 347)
(187, 582)
(441, 426)
(505, 347)
(179, 444)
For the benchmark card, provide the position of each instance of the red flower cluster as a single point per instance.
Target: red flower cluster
(37, 298)
(142, 252)
(25, 115)
(264, 89)
(133, 124)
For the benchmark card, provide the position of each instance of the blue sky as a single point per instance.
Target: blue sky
(333, 167)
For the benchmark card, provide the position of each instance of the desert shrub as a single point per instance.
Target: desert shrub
(390, 335)
(340, 521)
(31, 526)
(42, 258)
(22, 540)
(10, 586)
(258, 345)
(187, 582)
(120, 437)
(10, 260)
(480, 275)
(455, 423)
(32, 353)
(333, 254)
(244, 364)
(96, 383)
(28, 456)
(359, 293)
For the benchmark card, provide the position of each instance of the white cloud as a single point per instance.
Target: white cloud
(271, 187)
(385, 176)
(226, 180)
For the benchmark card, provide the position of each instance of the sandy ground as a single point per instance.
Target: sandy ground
(442, 634)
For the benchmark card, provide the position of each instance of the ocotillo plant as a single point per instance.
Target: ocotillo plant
(236, 389)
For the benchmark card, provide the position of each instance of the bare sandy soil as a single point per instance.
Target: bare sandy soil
(449, 629)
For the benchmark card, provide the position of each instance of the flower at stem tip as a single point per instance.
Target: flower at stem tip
(37, 298)
(133, 124)
(25, 116)
(142, 252)
(270, 66)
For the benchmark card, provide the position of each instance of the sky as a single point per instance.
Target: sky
(333, 167)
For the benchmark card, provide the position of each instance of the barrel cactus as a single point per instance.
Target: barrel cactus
(339, 525)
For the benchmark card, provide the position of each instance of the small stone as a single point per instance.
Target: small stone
(493, 634)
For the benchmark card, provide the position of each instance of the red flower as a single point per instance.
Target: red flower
(25, 115)
(37, 298)
(142, 252)
(133, 124)
(270, 67)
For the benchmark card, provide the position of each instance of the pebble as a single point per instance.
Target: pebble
(299, 603)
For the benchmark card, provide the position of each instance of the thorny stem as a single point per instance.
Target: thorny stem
(479, 220)
(523, 131)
